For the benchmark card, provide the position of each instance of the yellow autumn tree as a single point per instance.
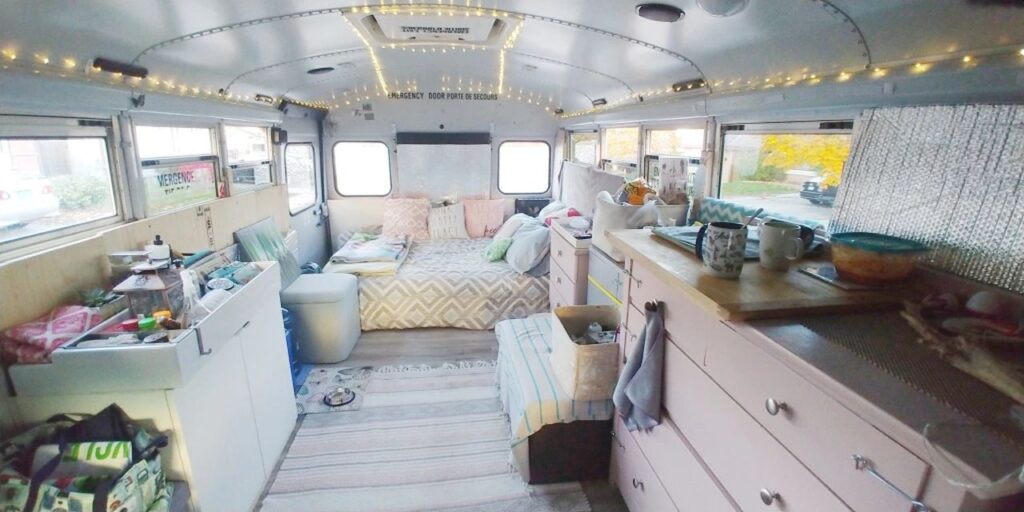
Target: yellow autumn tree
(824, 153)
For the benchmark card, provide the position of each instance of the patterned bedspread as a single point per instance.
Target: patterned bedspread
(447, 283)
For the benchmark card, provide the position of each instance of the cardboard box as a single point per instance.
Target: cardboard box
(585, 372)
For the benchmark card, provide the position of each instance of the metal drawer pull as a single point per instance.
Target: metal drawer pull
(774, 406)
(559, 253)
(616, 439)
(638, 484)
(558, 279)
(240, 329)
(769, 497)
(863, 464)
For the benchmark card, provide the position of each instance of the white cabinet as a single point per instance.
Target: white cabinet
(230, 417)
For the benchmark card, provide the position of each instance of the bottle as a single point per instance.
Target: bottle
(158, 250)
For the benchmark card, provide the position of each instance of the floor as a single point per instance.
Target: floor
(435, 346)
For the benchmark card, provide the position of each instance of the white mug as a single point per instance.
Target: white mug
(780, 244)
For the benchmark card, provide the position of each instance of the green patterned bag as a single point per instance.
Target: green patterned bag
(141, 487)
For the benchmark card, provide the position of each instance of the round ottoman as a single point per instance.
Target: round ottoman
(325, 311)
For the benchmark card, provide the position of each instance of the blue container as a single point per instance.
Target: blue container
(293, 347)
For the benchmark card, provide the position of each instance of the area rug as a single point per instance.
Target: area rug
(425, 439)
(321, 380)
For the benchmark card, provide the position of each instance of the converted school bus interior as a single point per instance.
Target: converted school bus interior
(489, 255)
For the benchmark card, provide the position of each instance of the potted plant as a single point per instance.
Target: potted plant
(107, 303)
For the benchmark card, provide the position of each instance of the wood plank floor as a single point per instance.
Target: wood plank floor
(435, 346)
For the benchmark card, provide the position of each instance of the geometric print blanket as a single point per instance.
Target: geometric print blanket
(448, 283)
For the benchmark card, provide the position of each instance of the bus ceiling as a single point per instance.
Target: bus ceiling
(568, 58)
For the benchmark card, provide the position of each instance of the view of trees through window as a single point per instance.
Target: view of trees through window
(583, 147)
(796, 174)
(621, 144)
(676, 142)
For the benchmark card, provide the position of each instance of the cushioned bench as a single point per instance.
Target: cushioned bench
(554, 438)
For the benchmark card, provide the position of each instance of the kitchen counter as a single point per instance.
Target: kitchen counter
(758, 293)
(842, 360)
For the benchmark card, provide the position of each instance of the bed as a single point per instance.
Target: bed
(447, 283)
(554, 438)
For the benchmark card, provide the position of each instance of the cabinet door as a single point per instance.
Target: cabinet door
(269, 380)
(216, 427)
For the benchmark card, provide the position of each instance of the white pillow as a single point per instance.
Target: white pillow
(610, 216)
(448, 222)
(509, 228)
(529, 247)
(553, 206)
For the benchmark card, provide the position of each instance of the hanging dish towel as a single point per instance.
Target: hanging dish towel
(638, 393)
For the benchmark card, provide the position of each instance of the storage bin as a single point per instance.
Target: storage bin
(585, 372)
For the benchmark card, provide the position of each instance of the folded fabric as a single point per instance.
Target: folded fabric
(637, 395)
(365, 248)
(33, 342)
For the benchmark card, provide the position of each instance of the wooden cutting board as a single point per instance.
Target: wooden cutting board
(758, 293)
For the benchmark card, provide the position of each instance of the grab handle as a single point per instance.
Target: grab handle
(863, 464)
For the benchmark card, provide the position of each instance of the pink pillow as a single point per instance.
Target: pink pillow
(484, 217)
(406, 217)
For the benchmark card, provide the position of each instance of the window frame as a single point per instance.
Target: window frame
(62, 128)
(231, 167)
(222, 186)
(284, 174)
(713, 187)
(637, 157)
(334, 168)
(571, 153)
(497, 183)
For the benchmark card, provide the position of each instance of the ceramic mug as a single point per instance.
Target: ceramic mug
(780, 244)
(721, 246)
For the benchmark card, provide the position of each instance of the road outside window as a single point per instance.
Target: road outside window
(300, 167)
(796, 174)
(52, 184)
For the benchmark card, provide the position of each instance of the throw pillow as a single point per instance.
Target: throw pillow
(448, 222)
(552, 207)
(496, 250)
(529, 247)
(512, 225)
(484, 216)
(406, 217)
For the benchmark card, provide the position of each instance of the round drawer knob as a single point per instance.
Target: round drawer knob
(559, 253)
(774, 406)
(558, 280)
(769, 497)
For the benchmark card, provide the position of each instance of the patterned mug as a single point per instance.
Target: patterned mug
(724, 248)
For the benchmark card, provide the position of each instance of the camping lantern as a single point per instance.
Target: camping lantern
(153, 292)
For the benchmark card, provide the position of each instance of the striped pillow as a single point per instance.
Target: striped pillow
(406, 217)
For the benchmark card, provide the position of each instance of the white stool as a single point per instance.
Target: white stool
(326, 312)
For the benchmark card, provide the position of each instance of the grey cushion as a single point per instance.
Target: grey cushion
(529, 247)
(320, 288)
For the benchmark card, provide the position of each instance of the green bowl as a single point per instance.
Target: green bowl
(875, 242)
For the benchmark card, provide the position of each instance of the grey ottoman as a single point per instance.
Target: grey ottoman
(325, 308)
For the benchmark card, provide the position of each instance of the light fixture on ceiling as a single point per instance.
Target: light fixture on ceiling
(559, 111)
(600, 102)
(659, 12)
(722, 8)
(688, 85)
(263, 98)
(113, 66)
(320, 71)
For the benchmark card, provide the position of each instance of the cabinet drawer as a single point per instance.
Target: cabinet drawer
(744, 457)
(679, 469)
(818, 430)
(555, 297)
(689, 326)
(564, 285)
(563, 255)
(634, 477)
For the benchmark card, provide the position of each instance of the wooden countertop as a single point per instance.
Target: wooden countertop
(758, 293)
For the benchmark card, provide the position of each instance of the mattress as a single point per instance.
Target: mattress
(447, 283)
(529, 392)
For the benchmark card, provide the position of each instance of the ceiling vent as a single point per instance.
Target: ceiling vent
(402, 28)
(600, 102)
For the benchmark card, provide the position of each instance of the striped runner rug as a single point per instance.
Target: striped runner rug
(425, 439)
